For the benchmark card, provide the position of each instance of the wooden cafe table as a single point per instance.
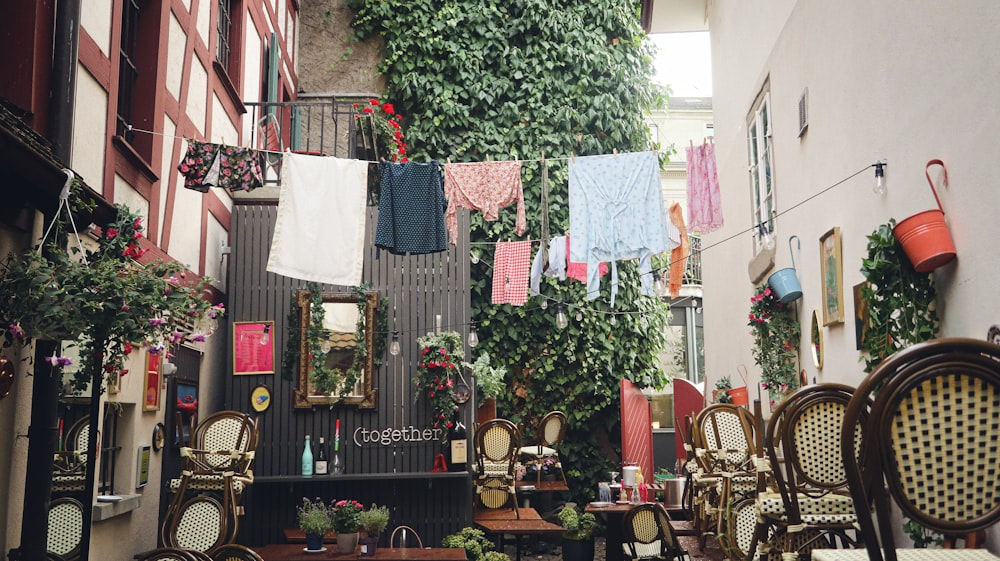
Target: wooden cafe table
(296, 552)
(616, 516)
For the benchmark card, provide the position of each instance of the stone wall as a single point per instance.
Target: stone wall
(323, 41)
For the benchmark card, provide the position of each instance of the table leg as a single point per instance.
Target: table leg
(613, 545)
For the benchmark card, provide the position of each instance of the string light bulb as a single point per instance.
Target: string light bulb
(265, 338)
(579, 315)
(474, 257)
(394, 344)
(561, 320)
(545, 303)
(879, 187)
(473, 336)
(614, 319)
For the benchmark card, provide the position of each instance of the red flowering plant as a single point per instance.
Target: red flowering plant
(775, 334)
(381, 130)
(347, 516)
(102, 298)
(440, 355)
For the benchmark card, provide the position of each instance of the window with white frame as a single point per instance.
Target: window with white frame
(760, 165)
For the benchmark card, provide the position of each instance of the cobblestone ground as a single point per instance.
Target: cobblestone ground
(539, 550)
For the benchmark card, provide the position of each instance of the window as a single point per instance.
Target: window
(127, 69)
(760, 166)
(109, 449)
(225, 28)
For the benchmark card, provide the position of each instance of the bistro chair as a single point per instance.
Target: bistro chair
(930, 444)
(201, 523)
(408, 537)
(647, 534)
(65, 531)
(167, 554)
(725, 450)
(497, 442)
(812, 506)
(219, 463)
(233, 552)
(549, 435)
(69, 467)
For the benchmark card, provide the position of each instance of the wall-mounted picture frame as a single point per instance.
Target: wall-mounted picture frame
(260, 398)
(253, 347)
(832, 269)
(142, 466)
(861, 318)
(151, 385)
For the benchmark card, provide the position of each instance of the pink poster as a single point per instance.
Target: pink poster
(253, 347)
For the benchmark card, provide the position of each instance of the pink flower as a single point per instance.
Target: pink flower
(16, 332)
(156, 321)
(112, 233)
(58, 360)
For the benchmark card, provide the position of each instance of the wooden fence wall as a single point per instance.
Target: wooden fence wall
(418, 288)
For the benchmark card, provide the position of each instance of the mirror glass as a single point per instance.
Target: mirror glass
(816, 340)
(344, 325)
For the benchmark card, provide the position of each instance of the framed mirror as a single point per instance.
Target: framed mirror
(339, 337)
(816, 340)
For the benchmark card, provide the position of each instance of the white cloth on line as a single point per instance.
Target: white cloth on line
(320, 229)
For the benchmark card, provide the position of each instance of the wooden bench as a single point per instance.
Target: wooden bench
(502, 521)
(296, 552)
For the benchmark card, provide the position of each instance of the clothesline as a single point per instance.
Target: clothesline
(543, 158)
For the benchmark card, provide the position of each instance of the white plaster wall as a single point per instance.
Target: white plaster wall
(175, 57)
(251, 69)
(215, 264)
(185, 235)
(197, 94)
(223, 130)
(95, 17)
(204, 20)
(903, 85)
(89, 129)
(127, 195)
(169, 128)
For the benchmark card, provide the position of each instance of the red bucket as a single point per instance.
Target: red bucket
(924, 236)
(739, 396)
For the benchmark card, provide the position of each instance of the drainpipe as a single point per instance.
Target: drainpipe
(43, 431)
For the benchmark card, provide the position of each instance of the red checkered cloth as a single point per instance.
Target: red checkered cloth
(511, 268)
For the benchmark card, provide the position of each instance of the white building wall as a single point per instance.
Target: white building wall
(902, 85)
(89, 127)
(95, 17)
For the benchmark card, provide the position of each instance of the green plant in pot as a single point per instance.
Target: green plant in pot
(373, 521)
(477, 546)
(578, 537)
(722, 387)
(489, 382)
(775, 349)
(315, 519)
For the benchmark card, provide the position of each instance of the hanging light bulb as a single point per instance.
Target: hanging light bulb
(561, 321)
(394, 344)
(579, 315)
(879, 187)
(473, 336)
(324, 347)
(545, 303)
(266, 337)
(474, 257)
(614, 319)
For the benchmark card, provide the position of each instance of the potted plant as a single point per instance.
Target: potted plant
(489, 382)
(578, 537)
(722, 387)
(346, 523)
(439, 355)
(315, 520)
(373, 520)
(775, 343)
(477, 546)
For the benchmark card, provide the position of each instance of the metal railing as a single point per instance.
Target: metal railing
(692, 272)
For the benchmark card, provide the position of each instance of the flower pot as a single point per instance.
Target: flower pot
(368, 545)
(738, 396)
(578, 550)
(924, 236)
(784, 282)
(487, 410)
(314, 542)
(347, 543)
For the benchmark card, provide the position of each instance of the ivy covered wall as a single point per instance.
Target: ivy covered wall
(502, 80)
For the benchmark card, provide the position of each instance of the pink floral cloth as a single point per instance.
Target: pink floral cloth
(484, 186)
(704, 199)
(578, 271)
(511, 264)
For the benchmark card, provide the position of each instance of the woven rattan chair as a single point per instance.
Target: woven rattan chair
(930, 440)
(219, 462)
(201, 523)
(234, 552)
(647, 534)
(725, 449)
(69, 467)
(65, 530)
(497, 442)
(548, 436)
(812, 506)
(166, 554)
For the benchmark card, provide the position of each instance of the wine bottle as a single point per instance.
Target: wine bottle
(321, 464)
(458, 445)
(307, 458)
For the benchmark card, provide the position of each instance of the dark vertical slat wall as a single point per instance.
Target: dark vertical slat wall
(418, 289)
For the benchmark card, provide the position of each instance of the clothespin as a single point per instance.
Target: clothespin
(488, 158)
(449, 160)
(543, 156)
(691, 142)
(615, 152)
(572, 156)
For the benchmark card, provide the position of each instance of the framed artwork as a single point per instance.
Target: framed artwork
(253, 347)
(151, 399)
(832, 269)
(260, 398)
(185, 411)
(860, 316)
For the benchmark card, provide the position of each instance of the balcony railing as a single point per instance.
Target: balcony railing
(692, 272)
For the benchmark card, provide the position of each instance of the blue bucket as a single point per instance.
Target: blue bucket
(784, 282)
